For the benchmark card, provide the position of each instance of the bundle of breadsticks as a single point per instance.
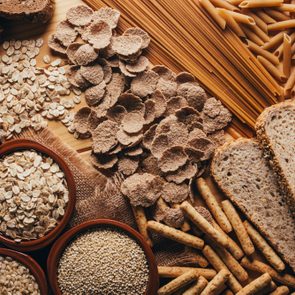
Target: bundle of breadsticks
(222, 265)
(267, 29)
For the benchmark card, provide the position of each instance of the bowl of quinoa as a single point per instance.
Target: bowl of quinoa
(102, 257)
(37, 195)
(20, 274)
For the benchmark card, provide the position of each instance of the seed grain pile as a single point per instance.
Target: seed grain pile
(33, 195)
(154, 126)
(117, 266)
(29, 95)
(15, 278)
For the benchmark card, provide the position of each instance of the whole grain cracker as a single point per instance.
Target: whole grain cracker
(75, 77)
(145, 83)
(139, 66)
(108, 15)
(194, 94)
(167, 87)
(98, 34)
(173, 217)
(142, 189)
(131, 103)
(127, 139)
(133, 122)
(55, 45)
(116, 113)
(130, 58)
(215, 115)
(174, 193)
(127, 45)
(116, 150)
(95, 94)
(159, 145)
(65, 33)
(71, 50)
(93, 73)
(134, 152)
(193, 154)
(123, 69)
(93, 121)
(175, 103)
(79, 15)
(104, 136)
(107, 70)
(172, 159)
(103, 162)
(185, 172)
(190, 117)
(127, 166)
(85, 54)
(150, 111)
(164, 72)
(150, 165)
(81, 121)
(102, 108)
(160, 102)
(115, 88)
(135, 31)
(184, 77)
(218, 137)
(149, 136)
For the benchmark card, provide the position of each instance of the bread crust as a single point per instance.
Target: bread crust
(216, 158)
(266, 145)
(42, 15)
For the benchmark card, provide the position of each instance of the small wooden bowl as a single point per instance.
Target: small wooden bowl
(60, 245)
(32, 245)
(32, 265)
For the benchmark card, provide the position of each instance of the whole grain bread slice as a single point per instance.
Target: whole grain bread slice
(244, 175)
(275, 129)
(37, 11)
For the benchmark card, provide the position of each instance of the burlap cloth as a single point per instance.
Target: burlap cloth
(99, 196)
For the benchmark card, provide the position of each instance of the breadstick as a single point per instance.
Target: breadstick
(242, 18)
(260, 3)
(265, 17)
(213, 205)
(199, 260)
(231, 22)
(178, 283)
(287, 55)
(269, 288)
(261, 267)
(283, 25)
(216, 285)
(228, 292)
(258, 50)
(238, 271)
(233, 247)
(197, 288)
(282, 290)
(256, 285)
(141, 222)
(218, 265)
(224, 4)
(252, 36)
(203, 224)
(186, 226)
(276, 73)
(264, 247)
(259, 22)
(274, 42)
(286, 8)
(175, 234)
(176, 271)
(238, 227)
(277, 15)
(207, 5)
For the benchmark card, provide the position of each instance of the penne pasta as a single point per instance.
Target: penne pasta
(283, 25)
(260, 3)
(276, 73)
(274, 42)
(280, 49)
(242, 18)
(287, 55)
(259, 22)
(224, 4)
(265, 17)
(286, 7)
(207, 5)
(231, 22)
(260, 51)
(235, 2)
(290, 83)
(264, 37)
(277, 15)
(252, 36)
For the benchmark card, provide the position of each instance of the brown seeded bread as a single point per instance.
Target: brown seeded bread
(244, 175)
(275, 129)
(37, 11)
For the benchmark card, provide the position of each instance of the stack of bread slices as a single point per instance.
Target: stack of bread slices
(258, 176)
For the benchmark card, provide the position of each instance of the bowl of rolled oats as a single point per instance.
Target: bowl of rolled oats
(102, 256)
(37, 195)
(19, 272)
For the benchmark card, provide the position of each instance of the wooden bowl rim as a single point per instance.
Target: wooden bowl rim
(31, 264)
(32, 245)
(60, 244)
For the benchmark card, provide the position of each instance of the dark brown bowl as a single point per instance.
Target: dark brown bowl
(32, 265)
(32, 245)
(59, 246)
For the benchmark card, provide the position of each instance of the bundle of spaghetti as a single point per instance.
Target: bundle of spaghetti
(187, 39)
